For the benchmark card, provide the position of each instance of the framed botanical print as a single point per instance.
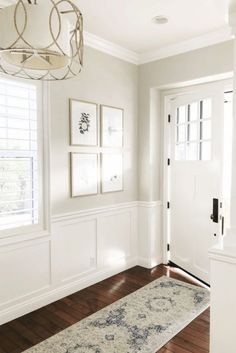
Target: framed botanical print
(84, 174)
(111, 172)
(83, 123)
(112, 126)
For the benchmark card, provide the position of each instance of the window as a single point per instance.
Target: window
(193, 131)
(19, 178)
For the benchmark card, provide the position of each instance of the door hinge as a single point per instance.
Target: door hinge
(222, 225)
(169, 118)
(168, 161)
(168, 247)
(168, 204)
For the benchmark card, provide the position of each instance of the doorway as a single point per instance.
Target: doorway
(197, 187)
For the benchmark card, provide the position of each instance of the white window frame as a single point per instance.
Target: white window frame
(42, 228)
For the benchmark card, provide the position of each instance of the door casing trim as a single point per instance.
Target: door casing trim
(166, 97)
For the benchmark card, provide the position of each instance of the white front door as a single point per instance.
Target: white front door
(196, 177)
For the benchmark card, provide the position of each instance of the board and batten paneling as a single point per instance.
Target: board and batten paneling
(150, 241)
(76, 247)
(25, 271)
(84, 247)
(116, 238)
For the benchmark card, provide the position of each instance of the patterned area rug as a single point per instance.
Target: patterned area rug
(141, 322)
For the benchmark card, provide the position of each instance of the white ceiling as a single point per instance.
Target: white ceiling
(128, 23)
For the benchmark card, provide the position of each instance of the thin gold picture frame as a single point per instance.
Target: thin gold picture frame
(101, 172)
(97, 174)
(102, 125)
(71, 100)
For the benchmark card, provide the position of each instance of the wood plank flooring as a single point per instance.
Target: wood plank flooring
(25, 332)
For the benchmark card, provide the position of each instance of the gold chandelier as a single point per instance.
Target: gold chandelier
(41, 39)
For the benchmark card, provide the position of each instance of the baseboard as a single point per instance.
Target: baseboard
(147, 263)
(55, 294)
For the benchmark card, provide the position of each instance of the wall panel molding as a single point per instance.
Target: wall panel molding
(84, 248)
(93, 211)
(150, 252)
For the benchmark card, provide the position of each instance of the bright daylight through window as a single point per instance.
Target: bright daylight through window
(193, 131)
(18, 154)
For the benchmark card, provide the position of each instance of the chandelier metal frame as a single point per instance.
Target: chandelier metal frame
(75, 61)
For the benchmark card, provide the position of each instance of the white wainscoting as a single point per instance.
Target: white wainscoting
(150, 252)
(84, 247)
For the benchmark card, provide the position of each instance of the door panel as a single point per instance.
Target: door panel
(196, 176)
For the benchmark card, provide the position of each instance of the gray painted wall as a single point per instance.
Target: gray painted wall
(169, 72)
(104, 80)
(108, 80)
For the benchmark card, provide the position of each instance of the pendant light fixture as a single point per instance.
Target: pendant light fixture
(41, 39)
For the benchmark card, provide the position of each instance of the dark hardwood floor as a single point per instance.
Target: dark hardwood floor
(25, 332)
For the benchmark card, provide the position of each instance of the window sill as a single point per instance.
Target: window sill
(23, 237)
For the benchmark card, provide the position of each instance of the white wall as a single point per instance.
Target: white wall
(104, 80)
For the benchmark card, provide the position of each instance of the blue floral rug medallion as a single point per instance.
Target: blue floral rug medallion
(141, 322)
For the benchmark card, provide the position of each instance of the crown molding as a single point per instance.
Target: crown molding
(93, 41)
(118, 51)
(205, 40)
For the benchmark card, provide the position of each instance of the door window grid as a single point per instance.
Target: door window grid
(193, 131)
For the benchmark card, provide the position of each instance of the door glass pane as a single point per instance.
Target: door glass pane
(181, 114)
(180, 133)
(206, 108)
(206, 130)
(192, 132)
(193, 111)
(205, 151)
(192, 152)
(180, 152)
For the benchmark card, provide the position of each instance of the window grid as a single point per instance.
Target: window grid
(193, 133)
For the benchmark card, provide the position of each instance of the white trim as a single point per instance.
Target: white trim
(165, 111)
(149, 204)
(93, 41)
(96, 42)
(222, 257)
(92, 211)
(205, 40)
(46, 119)
(95, 211)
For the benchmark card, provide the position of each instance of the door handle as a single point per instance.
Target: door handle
(215, 211)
